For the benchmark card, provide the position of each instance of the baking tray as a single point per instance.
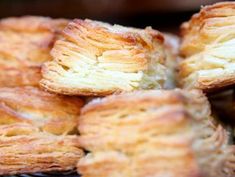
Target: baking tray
(52, 174)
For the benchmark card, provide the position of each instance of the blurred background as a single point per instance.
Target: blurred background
(164, 15)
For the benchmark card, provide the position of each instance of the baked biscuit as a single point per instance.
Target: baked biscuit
(25, 43)
(96, 58)
(49, 112)
(153, 133)
(208, 45)
(25, 149)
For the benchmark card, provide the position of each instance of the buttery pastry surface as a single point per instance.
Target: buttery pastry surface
(96, 58)
(24, 149)
(25, 43)
(153, 133)
(208, 45)
(49, 112)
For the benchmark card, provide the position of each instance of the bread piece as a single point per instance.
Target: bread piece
(24, 149)
(25, 43)
(51, 113)
(208, 46)
(153, 133)
(96, 58)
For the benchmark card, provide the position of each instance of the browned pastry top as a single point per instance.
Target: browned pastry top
(205, 27)
(49, 112)
(25, 43)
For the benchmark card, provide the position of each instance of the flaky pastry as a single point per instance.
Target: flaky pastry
(208, 47)
(25, 149)
(96, 58)
(25, 43)
(153, 133)
(49, 112)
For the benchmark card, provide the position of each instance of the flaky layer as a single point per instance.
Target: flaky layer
(208, 45)
(32, 151)
(210, 69)
(25, 43)
(49, 112)
(206, 26)
(96, 58)
(153, 133)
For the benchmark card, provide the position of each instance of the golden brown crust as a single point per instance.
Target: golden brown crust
(96, 58)
(204, 27)
(208, 45)
(30, 151)
(153, 133)
(49, 112)
(25, 43)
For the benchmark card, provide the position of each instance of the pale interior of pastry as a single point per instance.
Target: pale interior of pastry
(213, 67)
(97, 58)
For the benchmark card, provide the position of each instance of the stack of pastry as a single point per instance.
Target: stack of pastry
(37, 129)
(138, 128)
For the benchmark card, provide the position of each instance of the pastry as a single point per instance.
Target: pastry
(49, 112)
(25, 149)
(208, 43)
(153, 133)
(97, 59)
(37, 131)
(25, 43)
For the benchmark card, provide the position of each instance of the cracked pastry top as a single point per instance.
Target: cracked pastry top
(153, 133)
(25, 43)
(96, 58)
(208, 43)
(49, 112)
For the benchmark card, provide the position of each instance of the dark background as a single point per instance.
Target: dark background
(164, 15)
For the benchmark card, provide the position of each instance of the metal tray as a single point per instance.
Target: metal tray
(54, 174)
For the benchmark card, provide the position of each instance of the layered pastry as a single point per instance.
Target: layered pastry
(96, 58)
(25, 149)
(208, 43)
(37, 131)
(153, 133)
(25, 43)
(49, 112)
